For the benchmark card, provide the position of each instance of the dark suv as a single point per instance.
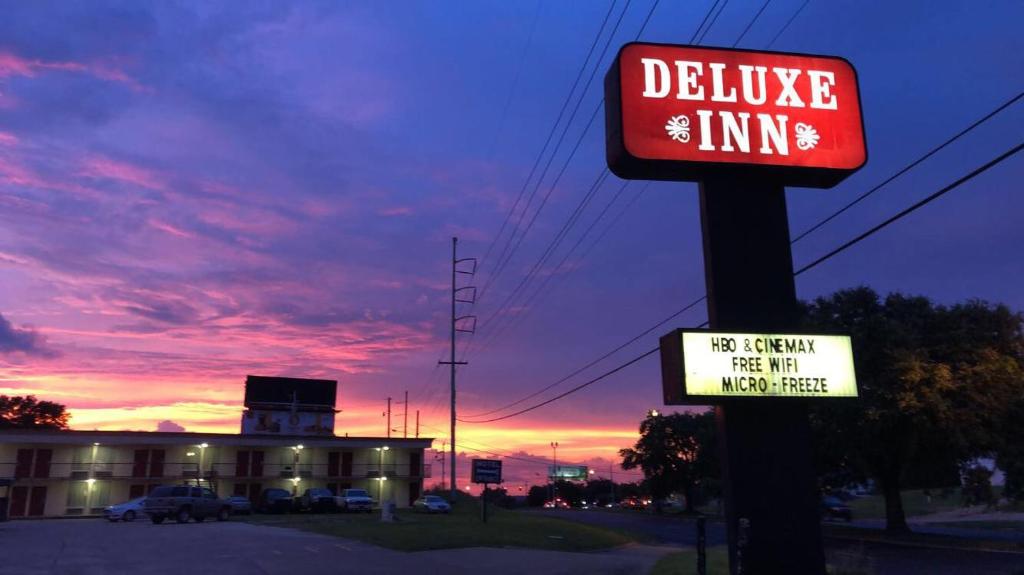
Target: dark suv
(184, 502)
(275, 500)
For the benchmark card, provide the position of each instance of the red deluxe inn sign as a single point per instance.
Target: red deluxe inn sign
(687, 112)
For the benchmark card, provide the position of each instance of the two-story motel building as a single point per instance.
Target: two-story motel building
(287, 441)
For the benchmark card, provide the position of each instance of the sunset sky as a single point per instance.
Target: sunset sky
(194, 192)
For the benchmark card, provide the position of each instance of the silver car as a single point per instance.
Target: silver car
(431, 504)
(126, 511)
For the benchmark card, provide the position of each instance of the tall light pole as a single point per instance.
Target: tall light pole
(554, 472)
(202, 459)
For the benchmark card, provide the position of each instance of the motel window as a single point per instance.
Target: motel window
(100, 496)
(78, 491)
(80, 457)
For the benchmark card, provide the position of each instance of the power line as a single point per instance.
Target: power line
(704, 21)
(690, 305)
(788, 22)
(712, 23)
(903, 213)
(751, 24)
(503, 262)
(594, 362)
(914, 207)
(548, 252)
(553, 245)
(551, 133)
(571, 391)
(909, 166)
(523, 285)
(515, 79)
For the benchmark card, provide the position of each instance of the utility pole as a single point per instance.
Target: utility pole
(455, 319)
(389, 417)
(405, 416)
(417, 424)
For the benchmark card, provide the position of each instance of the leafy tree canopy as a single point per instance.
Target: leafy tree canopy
(28, 412)
(935, 384)
(676, 452)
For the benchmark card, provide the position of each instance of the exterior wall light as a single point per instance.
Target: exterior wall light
(90, 481)
(190, 454)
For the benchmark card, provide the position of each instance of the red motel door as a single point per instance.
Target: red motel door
(19, 497)
(346, 464)
(23, 468)
(37, 502)
(43, 457)
(140, 462)
(415, 462)
(156, 463)
(257, 464)
(241, 464)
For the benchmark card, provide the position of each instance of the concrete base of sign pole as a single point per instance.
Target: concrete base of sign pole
(768, 480)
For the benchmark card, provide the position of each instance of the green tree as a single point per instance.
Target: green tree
(676, 452)
(1010, 451)
(934, 382)
(537, 495)
(28, 412)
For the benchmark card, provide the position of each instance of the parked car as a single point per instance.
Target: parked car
(126, 511)
(356, 500)
(834, 508)
(633, 503)
(431, 504)
(240, 505)
(184, 502)
(556, 503)
(275, 500)
(318, 500)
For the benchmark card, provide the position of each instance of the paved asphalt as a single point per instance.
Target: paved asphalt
(881, 559)
(97, 547)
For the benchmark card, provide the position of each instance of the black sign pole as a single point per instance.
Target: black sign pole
(767, 473)
(702, 546)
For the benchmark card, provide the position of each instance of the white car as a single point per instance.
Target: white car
(431, 504)
(126, 511)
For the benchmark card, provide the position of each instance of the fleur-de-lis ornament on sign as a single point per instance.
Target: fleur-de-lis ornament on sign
(806, 136)
(678, 128)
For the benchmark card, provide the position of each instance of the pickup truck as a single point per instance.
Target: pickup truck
(184, 502)
(318, 499)
(355, 500)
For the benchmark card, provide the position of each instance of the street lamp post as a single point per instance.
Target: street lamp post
(554, 472)
(202, 459)
(382, 477)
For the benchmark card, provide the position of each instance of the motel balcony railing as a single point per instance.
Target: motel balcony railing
(171, 470)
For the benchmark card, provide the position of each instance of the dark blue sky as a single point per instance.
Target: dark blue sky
(192, 192)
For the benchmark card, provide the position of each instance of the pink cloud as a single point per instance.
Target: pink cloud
(106, 168)
(18, 174)
(14, 65)
(165, 227)
(7, 139)
(395, 211)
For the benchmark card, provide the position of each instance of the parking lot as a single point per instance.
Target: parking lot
(95, 546)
